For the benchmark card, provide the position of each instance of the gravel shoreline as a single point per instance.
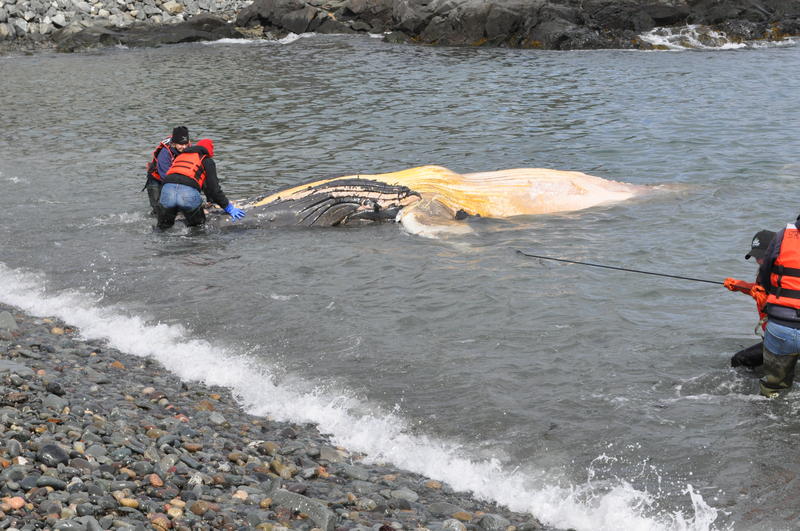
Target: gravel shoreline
(93, 438)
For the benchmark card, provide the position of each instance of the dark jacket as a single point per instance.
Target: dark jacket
(211, 187)
(164, 160)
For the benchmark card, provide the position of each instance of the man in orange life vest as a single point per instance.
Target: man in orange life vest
(780, 274)
(159, 164)
(193, 171)
(753, 356)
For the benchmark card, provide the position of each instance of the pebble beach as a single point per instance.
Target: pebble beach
(93, 438)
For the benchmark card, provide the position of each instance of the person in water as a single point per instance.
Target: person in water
(192, 171)
(159, 164)
(753, 356)
(780, 274)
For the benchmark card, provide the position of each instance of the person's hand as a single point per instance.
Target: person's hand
(760, 295)
(233, 212)
(738, 285)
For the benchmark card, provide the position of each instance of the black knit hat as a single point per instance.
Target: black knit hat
(761, 241)
(180, 135)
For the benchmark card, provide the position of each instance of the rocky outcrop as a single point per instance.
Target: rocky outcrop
(200, 28)
(56, 20)
(551, 24)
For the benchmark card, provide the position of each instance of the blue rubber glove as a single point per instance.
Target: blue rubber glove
(235, 213)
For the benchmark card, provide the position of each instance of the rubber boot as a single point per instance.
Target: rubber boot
(750, 357)
(778, 373)
(196, 217)
(153, 188)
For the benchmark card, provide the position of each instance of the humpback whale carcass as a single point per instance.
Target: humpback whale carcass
(430, 199)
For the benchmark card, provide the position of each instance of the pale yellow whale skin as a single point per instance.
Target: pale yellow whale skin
(494, 194)
(497, 194)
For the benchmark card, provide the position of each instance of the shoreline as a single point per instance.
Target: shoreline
(94, 438)
(72, 25)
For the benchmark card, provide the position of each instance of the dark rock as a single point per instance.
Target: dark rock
(54, 402)
(199, 28)
(29, 482)
(55, 388)
(50, 507)
(13, 448)
(555, 24)
(50, 481)
(52, 455)
(83, 465)
(86, 509)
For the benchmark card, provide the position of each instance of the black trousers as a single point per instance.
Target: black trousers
(166, 216)
(153, 188)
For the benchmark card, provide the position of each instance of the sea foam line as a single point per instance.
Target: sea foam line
(288, 39)
(699, 37)
(383, 436)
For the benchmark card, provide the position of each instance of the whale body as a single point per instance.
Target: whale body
(430, 199)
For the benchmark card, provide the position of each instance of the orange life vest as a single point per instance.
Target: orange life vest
(152, 166)
(190, 165)
(784, 282)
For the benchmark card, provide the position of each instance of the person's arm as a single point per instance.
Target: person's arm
(741, 286)
(211, 187)
(164, 161)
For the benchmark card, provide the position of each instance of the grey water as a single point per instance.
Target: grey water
(608, 394)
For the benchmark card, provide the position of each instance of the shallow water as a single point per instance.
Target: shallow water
(594, 399)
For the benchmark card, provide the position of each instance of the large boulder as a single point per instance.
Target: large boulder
(200, 28)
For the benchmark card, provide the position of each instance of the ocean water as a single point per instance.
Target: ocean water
(591, 398)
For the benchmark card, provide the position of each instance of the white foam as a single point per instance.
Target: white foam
(383, 436)
(121, 218)
(282, 298)
(698, 37)
(290, 38)
(294, 36)
(232, 41)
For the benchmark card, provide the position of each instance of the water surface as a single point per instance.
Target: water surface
(594, 399)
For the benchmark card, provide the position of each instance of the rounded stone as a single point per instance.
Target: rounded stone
(50, 481)
(129, 502)
(17, 502)
(52, 455)
(453, 525)
(55, 388)
(86, 509)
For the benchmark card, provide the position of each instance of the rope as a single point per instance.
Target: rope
(619, 268)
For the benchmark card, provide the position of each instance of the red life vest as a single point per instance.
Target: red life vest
(190, 165)
(784, 282)
(152, 166)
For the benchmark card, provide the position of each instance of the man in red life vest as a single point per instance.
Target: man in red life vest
(191, 172)
(753, 356)
(159, 164)
(780, 274)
